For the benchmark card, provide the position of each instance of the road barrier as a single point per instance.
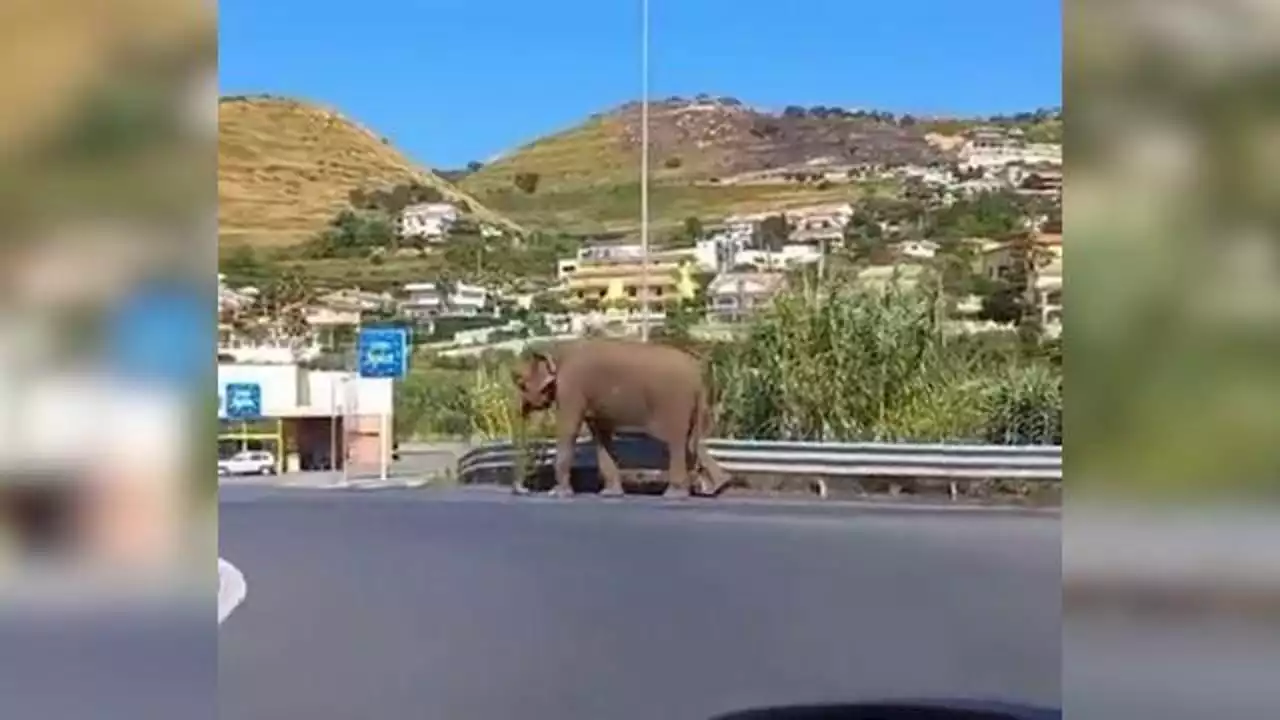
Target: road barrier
(958, 464)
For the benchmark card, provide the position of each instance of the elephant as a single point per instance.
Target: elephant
(611, 384)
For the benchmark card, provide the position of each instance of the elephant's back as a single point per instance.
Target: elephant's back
(631, 359)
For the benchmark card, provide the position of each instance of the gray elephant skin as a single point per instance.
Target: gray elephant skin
(615, 384)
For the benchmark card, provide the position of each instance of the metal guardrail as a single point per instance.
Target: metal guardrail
(495, 462)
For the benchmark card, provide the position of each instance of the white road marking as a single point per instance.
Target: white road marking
(232, 589)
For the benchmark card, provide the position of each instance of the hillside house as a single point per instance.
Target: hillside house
(430, 300)
(820, 217)
(993, 148)
(733, 296)
(818, 237)
(790, 256)
(1048, 289)
(997, 259)
(1042, 181)
(916, 249)
(428, 221)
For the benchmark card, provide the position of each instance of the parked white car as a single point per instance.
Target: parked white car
(248, 462)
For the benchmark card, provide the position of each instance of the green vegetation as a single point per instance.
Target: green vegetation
(841, 363)
(467, 258)
(829, 363)
(353, 234)
(616, 208)
(1039, 126)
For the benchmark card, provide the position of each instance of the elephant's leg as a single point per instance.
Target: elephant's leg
(720, 479)
(606, 458)
(696, 484)
(675, 433)
(568, 421)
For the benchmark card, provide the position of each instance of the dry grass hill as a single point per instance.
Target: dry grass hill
(285, 168)
(710, 157)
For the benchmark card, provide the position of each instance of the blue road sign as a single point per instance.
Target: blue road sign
(383, 352)
(243, 401)
(161, 333)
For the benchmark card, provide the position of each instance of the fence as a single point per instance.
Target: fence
(817, 462)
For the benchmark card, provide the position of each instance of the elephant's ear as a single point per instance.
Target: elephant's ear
(547, 369)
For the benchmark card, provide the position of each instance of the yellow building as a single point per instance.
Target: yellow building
(621, 282)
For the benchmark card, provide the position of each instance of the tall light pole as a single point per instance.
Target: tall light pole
(644, 170)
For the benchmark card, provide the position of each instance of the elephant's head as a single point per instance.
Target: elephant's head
(535, 380)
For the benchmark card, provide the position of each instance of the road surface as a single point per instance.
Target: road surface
(467, 604)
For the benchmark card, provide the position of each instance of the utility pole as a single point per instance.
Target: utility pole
(644, 170)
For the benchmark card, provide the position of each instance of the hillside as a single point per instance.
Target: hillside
(711, 157)
(286, 167)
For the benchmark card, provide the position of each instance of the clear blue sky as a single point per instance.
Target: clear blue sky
(456, 80)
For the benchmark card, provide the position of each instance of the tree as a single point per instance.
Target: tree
(548, 303)
(868, 248)
(353, 233)
(693, 227)
(954, 262)
(243, 266)
(774, 232)
(419, 193)
(400, 197)
(862, 226)
(283, 305)
(1010, 300)
(527, 181)
(996, 215)
(474, 166)
(794, 111)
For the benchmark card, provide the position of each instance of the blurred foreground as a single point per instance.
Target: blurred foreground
(107, 185)
(1172, 545)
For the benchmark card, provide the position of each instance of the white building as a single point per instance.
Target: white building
(232, 300)
(426, 300)
(917, 249)
(1048, 289)
(309, 419)
(993, 148)
(731, 296)
(789, 256)
(429, 221)
(820, 217)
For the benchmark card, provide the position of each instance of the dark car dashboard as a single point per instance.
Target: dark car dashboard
(927, 710)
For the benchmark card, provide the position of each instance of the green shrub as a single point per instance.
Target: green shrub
(848, 364)
(1024, 407)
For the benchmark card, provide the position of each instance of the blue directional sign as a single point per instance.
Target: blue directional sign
(161, 333)
(383, 352)
(244, 401)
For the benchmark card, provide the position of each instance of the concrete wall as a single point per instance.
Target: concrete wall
(335, 392)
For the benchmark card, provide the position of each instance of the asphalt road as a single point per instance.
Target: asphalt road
(404, 604)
